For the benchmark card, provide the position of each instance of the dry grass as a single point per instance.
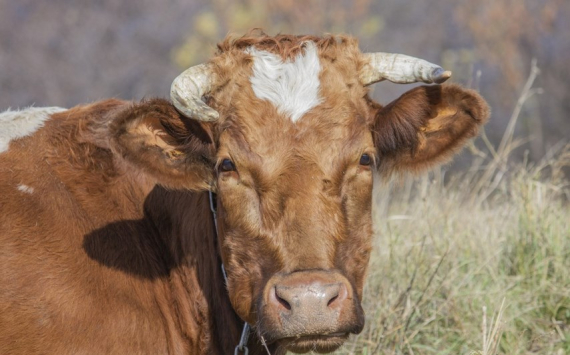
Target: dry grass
(443, 257)
(447, 250)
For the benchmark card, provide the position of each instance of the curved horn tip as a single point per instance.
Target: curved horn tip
(440, 76)
(204, 114)
(209, 115)
(188, 89)
(191, 107)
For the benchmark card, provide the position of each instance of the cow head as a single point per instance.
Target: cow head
(297, 140)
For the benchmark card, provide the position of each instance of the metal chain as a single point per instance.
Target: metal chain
(214, 213)
(242, 346)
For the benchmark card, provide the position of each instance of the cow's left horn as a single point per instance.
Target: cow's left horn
(187, 90)
(401, 69)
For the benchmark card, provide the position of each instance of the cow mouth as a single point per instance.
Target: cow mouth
(316, 343)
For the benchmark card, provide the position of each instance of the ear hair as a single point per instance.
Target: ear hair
(396, 125)
(427, 125)
(178, 152)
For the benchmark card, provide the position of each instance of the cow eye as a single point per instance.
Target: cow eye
(227, 165)
(365, 159)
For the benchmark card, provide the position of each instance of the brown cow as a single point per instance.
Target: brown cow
(107, 241)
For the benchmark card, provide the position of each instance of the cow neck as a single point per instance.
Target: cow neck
(242, 346)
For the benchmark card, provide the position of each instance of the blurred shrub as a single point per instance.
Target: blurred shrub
(280, 16)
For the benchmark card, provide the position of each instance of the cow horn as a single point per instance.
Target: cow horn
(187, 90)
(401, 69)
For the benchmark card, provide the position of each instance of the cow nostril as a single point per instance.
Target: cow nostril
(338, 293)
(278, 299)
(331, 301)
(283, 302)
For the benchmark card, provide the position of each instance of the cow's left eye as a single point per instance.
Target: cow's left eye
(227, 165)
(365, 159)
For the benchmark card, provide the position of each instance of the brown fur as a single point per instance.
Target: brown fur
(114, 252)
(98, 259)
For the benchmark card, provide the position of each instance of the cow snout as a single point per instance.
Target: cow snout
(310, 305)
(316, 299)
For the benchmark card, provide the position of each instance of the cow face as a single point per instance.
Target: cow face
(294, 180)
(296, 142)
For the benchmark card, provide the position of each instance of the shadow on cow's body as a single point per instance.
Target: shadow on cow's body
(173, 243)
(140, 247)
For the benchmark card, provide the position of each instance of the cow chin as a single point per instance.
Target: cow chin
(313, 310)
(321, 344)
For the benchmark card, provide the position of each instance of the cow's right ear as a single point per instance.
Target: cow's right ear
(176, 151)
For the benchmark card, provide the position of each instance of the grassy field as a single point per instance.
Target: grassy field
(474, 264)
(445, 263)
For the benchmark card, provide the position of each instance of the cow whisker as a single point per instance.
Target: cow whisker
(265, 345)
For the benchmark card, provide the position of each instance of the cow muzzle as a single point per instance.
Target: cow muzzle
(310, 310)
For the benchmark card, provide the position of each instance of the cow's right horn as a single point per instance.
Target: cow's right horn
(187, 90)
(401, 69)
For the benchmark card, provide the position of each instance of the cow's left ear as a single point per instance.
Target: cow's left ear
(426, 126)
(177, 152)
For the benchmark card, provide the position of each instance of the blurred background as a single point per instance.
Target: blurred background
(68, 52)
(452, 251)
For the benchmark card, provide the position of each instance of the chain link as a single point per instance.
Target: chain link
(242, 346)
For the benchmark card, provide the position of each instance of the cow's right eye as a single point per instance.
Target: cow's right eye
(227, 165)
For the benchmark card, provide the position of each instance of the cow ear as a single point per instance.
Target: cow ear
(426, 126)
(175, 151)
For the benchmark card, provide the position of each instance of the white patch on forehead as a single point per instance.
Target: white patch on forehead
(25, 188)
(291, 85)
(17, 124)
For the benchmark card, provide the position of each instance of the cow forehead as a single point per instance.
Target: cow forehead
(296, 77)
(301, 98)
(291, 85)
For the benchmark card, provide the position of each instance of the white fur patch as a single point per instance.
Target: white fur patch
(18, 124)
(25, 188)
(291, 85)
